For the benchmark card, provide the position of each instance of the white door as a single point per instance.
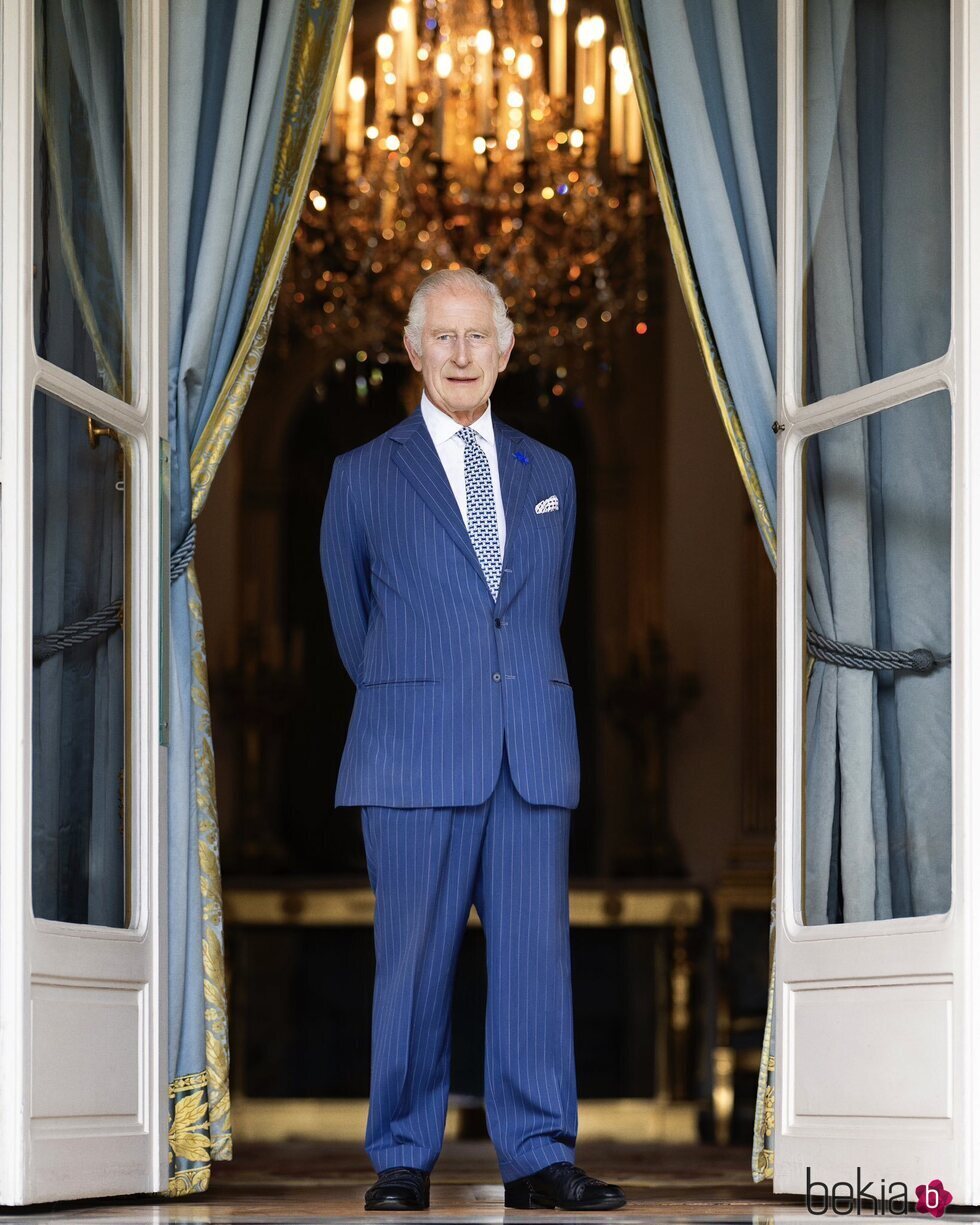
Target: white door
(83, 525)
(876, 1016)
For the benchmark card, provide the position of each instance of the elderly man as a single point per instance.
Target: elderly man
(446, 545)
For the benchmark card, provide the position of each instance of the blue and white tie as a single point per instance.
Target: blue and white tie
(481, 509)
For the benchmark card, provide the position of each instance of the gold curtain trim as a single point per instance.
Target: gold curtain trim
(690, 291)
(228, 406)
(190, 1136)
(200, 1116)
(188, 1082)
(762, 1156)
(765, 1095)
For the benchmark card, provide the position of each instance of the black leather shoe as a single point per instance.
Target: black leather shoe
(397, 1188)
(562, 1185)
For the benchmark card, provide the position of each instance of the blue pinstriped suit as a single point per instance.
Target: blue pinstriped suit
(462, 753)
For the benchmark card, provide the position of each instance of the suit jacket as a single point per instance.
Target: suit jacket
(445, 673)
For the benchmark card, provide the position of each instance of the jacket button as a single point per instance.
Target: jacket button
(496, 676)
(497, 622)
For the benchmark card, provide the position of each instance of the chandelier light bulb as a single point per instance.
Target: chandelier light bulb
(583, 33)
(515, 98)
(385, 46)
(558, 48)
(525, 66)
(618, 59)
(483, 82)
(623, 81)
(398, 18)
(479, 145)
(509, 55)
(357, 89)
(575, 138)
(588, 95)
(598, 28)
(444, 64)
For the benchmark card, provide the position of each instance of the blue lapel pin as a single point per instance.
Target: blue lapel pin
(521, 456)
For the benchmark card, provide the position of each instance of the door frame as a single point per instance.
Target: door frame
(40, 952)
(933, 952)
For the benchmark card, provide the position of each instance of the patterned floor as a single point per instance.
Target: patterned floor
(308, 1182)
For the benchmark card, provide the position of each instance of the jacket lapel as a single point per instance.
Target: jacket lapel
(416, 456)
(513, 482)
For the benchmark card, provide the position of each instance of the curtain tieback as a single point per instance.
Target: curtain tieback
(183, 555)
(109, 618)
(849, 655)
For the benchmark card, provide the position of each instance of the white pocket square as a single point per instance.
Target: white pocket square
(546, 504)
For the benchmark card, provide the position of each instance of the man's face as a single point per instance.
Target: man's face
(460, 360)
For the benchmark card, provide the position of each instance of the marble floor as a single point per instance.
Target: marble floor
(309, 1182)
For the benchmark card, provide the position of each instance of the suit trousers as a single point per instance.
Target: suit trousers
(426, 866)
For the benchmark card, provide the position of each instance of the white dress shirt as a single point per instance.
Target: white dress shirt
(443, 431)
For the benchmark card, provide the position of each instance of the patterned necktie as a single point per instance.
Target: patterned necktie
(481, 509)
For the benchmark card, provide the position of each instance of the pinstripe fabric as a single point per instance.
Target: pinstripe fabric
(422, 637)
(426, 865)
(462, 753)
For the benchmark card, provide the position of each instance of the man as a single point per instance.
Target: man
(446, 546)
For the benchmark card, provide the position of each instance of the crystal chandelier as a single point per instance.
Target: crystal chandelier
(471, 158)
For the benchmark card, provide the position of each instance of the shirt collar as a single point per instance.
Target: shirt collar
(442, 426)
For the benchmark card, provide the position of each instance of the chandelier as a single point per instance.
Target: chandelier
(461, 153)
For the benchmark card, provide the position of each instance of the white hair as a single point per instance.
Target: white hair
(457, 280)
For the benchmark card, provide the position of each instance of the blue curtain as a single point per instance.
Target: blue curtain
(227, 74)
(877, 514)
(250, 85)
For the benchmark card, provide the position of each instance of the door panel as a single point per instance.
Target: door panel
(876, 190)
(874, 1003)
(83, 904)
(81, 807)
(84, 291)
(833, 1033)
(876, 815)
